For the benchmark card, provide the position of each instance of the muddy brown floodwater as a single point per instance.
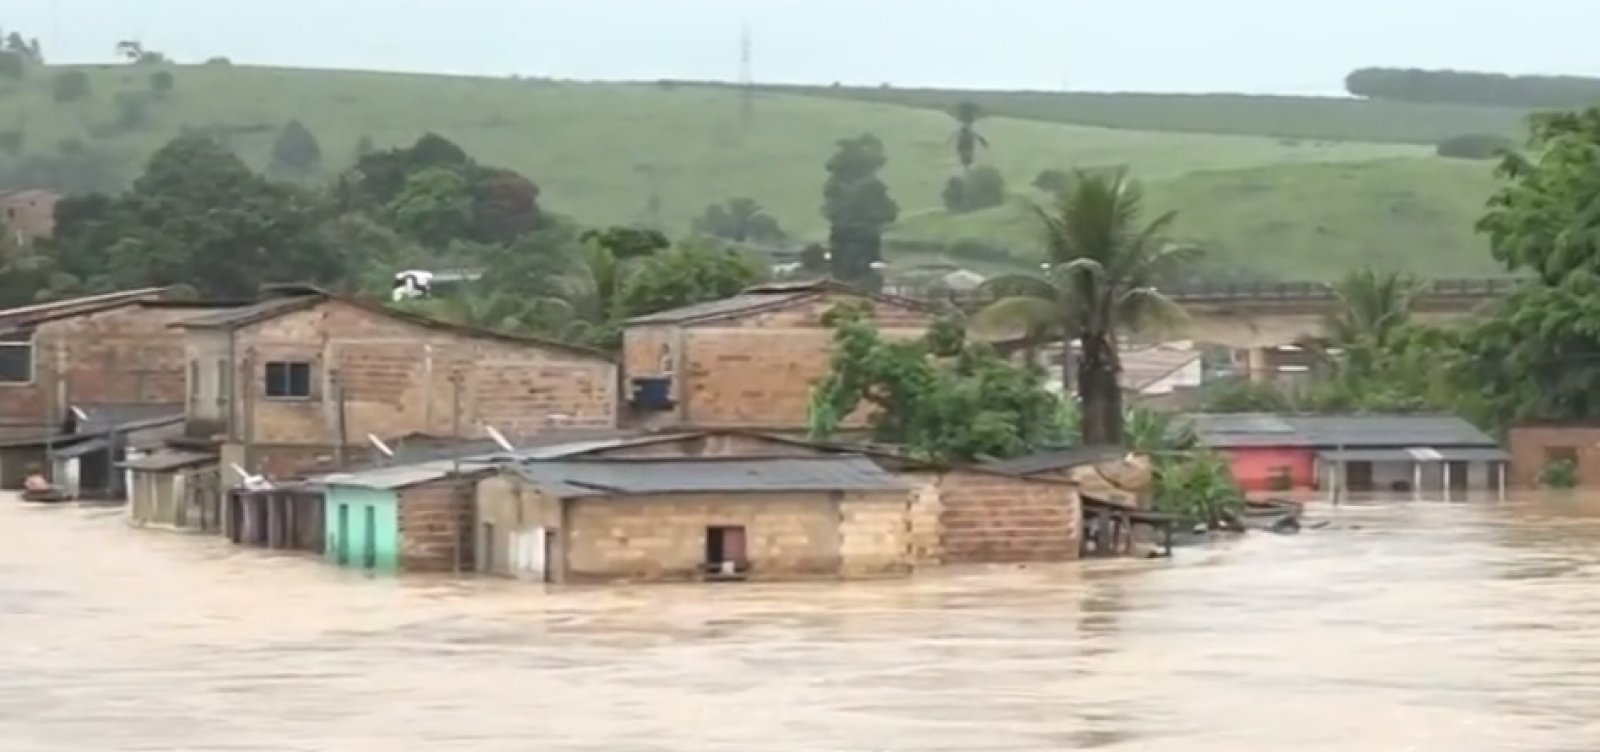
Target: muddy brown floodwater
(1411, 626)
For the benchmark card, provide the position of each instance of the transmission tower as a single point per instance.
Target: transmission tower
(747, 102)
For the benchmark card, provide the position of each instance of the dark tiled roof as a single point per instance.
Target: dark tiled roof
(1064, 459)
(300, 297)
(765, 297)
(572, 478)
(1330, 431)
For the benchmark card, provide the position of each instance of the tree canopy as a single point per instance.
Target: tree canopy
(857, 206)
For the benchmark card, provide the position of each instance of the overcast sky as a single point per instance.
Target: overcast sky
(1263, 46)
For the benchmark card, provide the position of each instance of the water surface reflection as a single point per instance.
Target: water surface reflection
(1410, 626)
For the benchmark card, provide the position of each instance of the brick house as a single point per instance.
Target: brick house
(113, 349)
(961, 514)
(691, 518)
(297, 381)
(29, 214)
(748, 361)
(1534, 447)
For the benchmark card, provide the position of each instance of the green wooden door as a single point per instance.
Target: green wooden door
(366, 529)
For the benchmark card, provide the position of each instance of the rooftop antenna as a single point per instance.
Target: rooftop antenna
(378, 444)
(499, 438)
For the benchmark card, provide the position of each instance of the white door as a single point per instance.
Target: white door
(528, 554)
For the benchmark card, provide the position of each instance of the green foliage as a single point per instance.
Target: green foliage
(199, 216)
(1198, 490)
(963, 406)
(69, 86)
(741, 220)
(857, 206)
(1052, 180)
(296, 151)
(685, 275)
(979, 188)
(1244, 396)
(1475, 146)
(967, 139)
(1104, 265)
(1465, 87)
(444, 192)
(1562, 473)
(628, 243)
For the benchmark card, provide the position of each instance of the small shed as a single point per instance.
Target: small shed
(694, 518)
(174, 488)
(407, 518)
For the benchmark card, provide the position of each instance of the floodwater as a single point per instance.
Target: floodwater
(1409, 626)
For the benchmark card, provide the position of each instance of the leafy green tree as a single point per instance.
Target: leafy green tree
(857, 206)
(28, 50)
(1102, 267)
(505, 205)
(296, 151)
(741, 220)
(1371, 307)
(434, 207)
(685, 275)
(199, 216)
(939, 396)
(979, 188)
(69, 86)
(502, 204)
(967, 138)
(627, 243)
(13, 66)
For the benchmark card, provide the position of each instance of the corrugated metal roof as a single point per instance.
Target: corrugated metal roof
(1058, 460)
(12, 318)
(83, 448)
(1331, 431)
(574, 478)
(744, 302)
(1417, 454)
(262, 311)
(400, 476)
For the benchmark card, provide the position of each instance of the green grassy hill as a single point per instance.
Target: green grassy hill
(599, 152)
(1291, 118)
(1308, 221)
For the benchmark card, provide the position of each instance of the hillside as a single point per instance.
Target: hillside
(601, 151)
(1294, 118)
(1312, 221)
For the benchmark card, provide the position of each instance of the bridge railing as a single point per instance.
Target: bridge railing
(1481, 287)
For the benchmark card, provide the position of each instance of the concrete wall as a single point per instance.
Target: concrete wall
(358, 518)
(788, 535)
(398, 377)
(29, 214)
(875, 539)
(1532, 448)
(507, 509)
(755, 370)
(124, 355)
(436, 526)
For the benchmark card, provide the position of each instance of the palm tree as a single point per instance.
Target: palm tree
(1102, 265)
(587, 297)
(1372, 306)
(966, 137)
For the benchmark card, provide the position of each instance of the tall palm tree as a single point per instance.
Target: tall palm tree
(966, 136)
(1102, 265)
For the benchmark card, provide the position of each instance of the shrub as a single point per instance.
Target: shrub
(69, 86)
(1562, 473)
(981, 188)
(1052, 181)
(1474, 146)
(161, 82)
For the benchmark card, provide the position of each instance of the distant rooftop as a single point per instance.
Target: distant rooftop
(1333, 431)
(624, 477)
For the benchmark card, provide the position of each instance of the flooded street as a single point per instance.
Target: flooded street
(1415, 626)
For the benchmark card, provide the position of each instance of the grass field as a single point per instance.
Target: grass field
(599, 152)
(1310, 221)
(1294, 118)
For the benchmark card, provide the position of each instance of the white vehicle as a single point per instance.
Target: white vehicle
(420, 283)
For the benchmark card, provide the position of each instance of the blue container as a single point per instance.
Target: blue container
(654, 393)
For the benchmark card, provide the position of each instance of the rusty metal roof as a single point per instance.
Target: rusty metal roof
(24, 316)
(628, 477)
(765, 297)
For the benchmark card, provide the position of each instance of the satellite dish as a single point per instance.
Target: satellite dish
(378, 444)
(499, 438)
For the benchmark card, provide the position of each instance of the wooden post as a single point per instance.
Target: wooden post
(1416, 480)
(1504, 467)
(1446, 466)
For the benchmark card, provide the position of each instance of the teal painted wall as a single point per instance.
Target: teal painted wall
(359, 506)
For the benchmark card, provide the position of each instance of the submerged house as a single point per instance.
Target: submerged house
(685, 518)
(1355, 453)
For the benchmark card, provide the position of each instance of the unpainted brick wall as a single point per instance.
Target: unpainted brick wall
(399, 378)
(436, 526)
(995, 519)
(1531, 446)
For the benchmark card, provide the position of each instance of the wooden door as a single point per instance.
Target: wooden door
(1358, 476)
(733, 548)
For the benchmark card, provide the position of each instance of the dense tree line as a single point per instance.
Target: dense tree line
(1464, 87)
